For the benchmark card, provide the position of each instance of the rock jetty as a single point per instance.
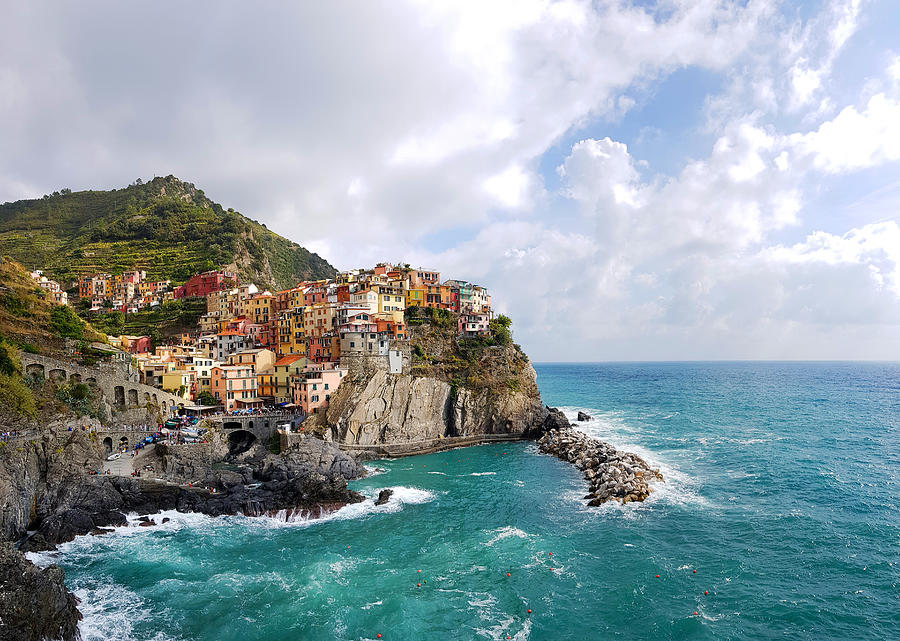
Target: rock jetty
(613, 475)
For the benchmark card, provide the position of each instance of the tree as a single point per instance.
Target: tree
(206, 398)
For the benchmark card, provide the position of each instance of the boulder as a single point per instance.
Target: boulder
(582, 417)
(383, 497)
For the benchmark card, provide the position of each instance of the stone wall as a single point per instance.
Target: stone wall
(111, 379)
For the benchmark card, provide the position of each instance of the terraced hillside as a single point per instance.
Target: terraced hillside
(166, 226)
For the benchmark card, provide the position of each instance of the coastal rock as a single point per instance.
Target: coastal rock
(34, 602)
(612, 475)
(583, 416)
(383, 497)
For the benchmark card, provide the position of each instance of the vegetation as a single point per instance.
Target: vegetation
(65, 323)
(29, 321)
(206, 398)
(165, 226)
(490, 361)
(16, 399)
(80, 398)
(168, 319)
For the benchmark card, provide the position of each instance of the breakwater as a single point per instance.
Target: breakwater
(612, 475)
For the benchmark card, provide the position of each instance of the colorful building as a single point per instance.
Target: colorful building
(312, 388)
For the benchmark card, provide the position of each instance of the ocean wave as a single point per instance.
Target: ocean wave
(374, 471)
(482, 473)
(678, 488)
(111, 611)
(506, 532)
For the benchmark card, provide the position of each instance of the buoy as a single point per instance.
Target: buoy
(705, 592)
(508, 574)
(529, 612)
(657, 576)
(695, 571)
(425, 581)
(695, 614)
(551, 569)
(418, 570)
(418, 585)
(378, 636)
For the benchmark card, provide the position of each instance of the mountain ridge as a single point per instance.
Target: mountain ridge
(165, 226)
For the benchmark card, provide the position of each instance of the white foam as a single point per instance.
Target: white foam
(374, 471)
(482, 473)
(441, 473)
(677, 488)
(110, 612)
(505, 533)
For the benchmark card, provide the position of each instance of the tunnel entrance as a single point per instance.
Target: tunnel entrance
(240, 441)
(107, 445)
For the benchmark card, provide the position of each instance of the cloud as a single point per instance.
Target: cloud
(366, 131)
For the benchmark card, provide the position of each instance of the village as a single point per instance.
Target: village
(254, 350)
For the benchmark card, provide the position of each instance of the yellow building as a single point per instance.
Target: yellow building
(318, 319)
(415, 298)
(285, 368)
(291, 333)
(179, 382)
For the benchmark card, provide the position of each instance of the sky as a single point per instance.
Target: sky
(632, 180)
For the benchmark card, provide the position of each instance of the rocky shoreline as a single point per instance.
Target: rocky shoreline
(612, 475)
(48, 497)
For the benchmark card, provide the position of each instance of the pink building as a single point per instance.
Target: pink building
(313, 387)
(234, 386)
(472, 324)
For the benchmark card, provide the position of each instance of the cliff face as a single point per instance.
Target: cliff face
(444, 396)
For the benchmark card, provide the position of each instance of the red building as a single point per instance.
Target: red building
(206, 283)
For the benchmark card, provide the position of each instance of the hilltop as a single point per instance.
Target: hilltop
(166, 226)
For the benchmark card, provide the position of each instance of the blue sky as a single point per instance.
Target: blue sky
(681, 179)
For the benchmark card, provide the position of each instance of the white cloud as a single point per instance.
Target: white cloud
(854, 139)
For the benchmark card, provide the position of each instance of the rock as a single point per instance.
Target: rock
(147, 523)
(166, 519)
(34, 603)
(611, 475)
(383, 497)
(582, 417)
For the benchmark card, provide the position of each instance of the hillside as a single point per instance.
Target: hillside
(29, 321)
(165, 226)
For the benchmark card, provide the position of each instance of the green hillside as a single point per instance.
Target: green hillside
(165, 226)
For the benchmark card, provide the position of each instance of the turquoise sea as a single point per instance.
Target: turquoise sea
(779, 519)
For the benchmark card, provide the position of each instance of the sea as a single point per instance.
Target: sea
(779, 518)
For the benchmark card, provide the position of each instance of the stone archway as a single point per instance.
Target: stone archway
(132, 397)
(239, 441)
(231, 425)
(146, 397)
(34, 369)
(75, 378)
(107, 445)
(90, 380)
(119, 395)
(58, 375)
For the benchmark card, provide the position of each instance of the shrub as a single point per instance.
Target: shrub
(65, 323)
(9, 360)
(15, 397)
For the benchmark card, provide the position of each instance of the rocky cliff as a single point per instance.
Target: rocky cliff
(453, 388)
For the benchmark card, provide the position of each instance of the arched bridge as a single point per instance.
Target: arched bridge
(244, 429)
(112, 382)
